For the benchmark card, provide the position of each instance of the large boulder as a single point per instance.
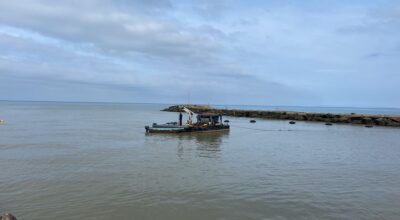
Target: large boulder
(380, 121)
(367, 120)
(393, 123)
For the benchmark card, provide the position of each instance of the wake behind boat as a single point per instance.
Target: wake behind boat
(205, 123)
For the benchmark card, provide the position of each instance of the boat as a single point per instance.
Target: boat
(206, 122)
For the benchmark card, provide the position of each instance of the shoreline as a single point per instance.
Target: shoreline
(356, 119)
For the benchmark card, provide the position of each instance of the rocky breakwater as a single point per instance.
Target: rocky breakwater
(379, 120)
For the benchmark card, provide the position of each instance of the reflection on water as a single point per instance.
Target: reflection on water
(94, 161)
(208, 144)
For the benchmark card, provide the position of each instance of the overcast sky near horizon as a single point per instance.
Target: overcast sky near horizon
(308, 53)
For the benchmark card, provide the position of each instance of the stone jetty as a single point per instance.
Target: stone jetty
(360, 119)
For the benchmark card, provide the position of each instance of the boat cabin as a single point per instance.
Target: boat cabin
(212, 119)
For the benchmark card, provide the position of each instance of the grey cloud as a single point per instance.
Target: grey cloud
(217, 51)
(108, 29)
(210, 9)
(24, 58)
(127, 36)
(47, 66)
(377, 21)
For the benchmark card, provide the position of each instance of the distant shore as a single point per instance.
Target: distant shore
(353, 118)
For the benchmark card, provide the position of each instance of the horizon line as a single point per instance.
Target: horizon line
(149, 103)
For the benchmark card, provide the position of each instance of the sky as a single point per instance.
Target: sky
(260, 52)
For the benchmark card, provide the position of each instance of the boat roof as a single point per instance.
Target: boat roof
(206, 114)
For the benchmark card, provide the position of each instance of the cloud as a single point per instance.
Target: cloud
(217, 51)
(106, 28)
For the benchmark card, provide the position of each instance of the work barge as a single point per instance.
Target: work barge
(206, 122)
(353, 118)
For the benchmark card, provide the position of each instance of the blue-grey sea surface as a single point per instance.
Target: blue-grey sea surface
(94, 161)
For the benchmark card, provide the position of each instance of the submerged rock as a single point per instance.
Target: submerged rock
(7, 216)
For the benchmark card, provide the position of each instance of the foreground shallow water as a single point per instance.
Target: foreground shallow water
(93, 161)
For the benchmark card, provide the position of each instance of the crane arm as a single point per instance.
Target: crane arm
(190, 113)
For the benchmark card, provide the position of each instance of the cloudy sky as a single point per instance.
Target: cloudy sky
(261, 52)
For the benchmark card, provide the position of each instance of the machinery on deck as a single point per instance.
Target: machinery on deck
(190, 114)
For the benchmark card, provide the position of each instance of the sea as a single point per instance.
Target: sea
(93, 161)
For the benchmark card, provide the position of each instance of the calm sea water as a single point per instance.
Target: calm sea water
(94, 161)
